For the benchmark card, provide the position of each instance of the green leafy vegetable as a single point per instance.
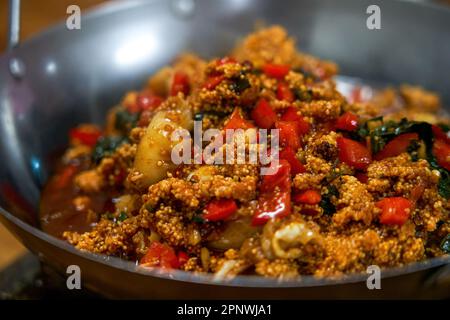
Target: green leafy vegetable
(198, 219)
(325, 203)
(125, 120)
(445, 244)
(239, 84)
(413, 149)
(106, 146)
(122, 216)
(303, 95)
(380, 135)
(444, 127)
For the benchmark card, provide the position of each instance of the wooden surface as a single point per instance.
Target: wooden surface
(36, 15)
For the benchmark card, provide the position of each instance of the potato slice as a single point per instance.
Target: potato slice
(153, 154)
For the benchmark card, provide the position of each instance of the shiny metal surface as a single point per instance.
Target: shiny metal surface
(14, 24)
(74, 76)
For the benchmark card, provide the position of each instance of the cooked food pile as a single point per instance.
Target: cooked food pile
(359, 181)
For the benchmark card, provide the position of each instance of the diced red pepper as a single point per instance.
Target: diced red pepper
(278, 71)
(275, 204)
(130, 102)
(225, 60)
(183, 257)
(212, 82)
(309, 211)
(356, 95)
(280, 177)
(87, 135)
(439, 134)
(394, 210)
(220, 209)
(288, 134)
(442, 152)
(362, 177)
(291, 115)
(160, 255)
(308, 197)
(275, 195)
(263, 114)
(284, 93)
(148, 101)
(66, 176)
(417, 191)
(347, 122)
(353, 153)
(289, 155)
(396, 146)
(180, 84)
(236, 121)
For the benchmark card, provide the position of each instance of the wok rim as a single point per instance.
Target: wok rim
(248, 281)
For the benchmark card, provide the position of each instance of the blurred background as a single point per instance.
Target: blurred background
(36, 15)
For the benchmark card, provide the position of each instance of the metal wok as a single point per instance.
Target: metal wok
(63, 77)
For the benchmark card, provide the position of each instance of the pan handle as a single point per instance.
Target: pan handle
(14, 24)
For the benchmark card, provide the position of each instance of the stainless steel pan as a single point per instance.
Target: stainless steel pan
(62, 77)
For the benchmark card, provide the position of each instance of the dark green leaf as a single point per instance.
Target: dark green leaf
(122, 216)
(445, 244)
(105, 146)
(239, 84)
(412, 149)
(444, 127)
(388, 130)
(125, 120)
(325, 203)
(303, 95)
(198, 219)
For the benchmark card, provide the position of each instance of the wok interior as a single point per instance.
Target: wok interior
(75, 76)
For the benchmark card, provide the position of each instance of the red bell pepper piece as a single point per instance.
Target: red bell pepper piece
(160, 255)
(274, 200)
(272, 205)
(220, 209)
(288, 134)
(66, 176)
(284, 93)
(289, 155)
(180, 84)
(308, 197)
(347, 122)
(394, 210)
(275, 195)
(439, 134)
(362, 177)
(279, 178)
(442, 152)
(148, 101)
(212, 82)
(353, 153)
(277, 71)
(396, 146)
(356, 95)
(291, 115)
(225, 60)
(236, 121)
(263, 114)
(183, 257)
(87, 135)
